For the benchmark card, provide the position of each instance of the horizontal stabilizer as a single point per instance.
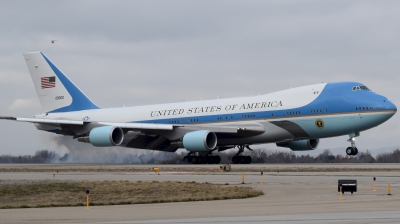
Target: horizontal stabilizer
(49, 121)
(8, 118)
(41, 120)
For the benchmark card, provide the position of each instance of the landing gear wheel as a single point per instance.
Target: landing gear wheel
(200, 159)
(235, 160)
(352, 151)
(241, 160)
(193, 159)
(210, 159)
(349, 151)
(186, 159)
(217, 159)
(248, 159)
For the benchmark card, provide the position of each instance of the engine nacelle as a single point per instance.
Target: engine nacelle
(199, 141)
(300, 145)
(106, 136)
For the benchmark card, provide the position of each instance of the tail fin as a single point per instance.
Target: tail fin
(56, 92)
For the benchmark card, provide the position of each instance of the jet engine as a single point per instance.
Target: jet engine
(300, 145)
(199, 141)
(104, 136)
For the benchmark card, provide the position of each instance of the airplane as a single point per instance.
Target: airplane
(295, 118)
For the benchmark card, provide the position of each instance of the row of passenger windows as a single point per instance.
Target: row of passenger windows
(365, 108)
(253, 116)
(218, 118)
(248, 116)
(318, 111)
(183, 121)
(293, 112)
(226, 118)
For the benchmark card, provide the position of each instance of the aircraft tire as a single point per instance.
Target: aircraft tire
(242, 159)
(349, 151)
(356, 151)
(200, 159)
(186, 159)
(217, 159)
(210, 159)
(193, 159)
(235, 160)
(248, 159)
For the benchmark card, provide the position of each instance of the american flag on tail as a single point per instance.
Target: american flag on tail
(48, 82)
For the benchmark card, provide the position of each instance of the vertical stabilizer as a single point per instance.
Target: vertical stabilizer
(56, 92)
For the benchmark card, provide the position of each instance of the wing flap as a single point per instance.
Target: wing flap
(140, 126)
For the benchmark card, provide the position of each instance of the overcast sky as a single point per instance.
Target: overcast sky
(147, 52)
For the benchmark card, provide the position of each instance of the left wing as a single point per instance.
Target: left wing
(145, 135)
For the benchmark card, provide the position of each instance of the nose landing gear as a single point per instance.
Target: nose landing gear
(352, 151)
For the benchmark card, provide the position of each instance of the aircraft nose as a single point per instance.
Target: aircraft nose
(393, 107)
(390, 106)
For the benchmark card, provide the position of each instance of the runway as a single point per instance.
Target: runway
(290, 197)
(328, 218)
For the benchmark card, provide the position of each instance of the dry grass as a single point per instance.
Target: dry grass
(62, 194)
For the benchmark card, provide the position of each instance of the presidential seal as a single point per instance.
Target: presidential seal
(319, 123)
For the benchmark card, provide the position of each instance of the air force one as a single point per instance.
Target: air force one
(295, 118)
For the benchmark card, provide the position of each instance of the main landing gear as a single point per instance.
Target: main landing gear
(236, 159)
(352, 151)
(198, 159)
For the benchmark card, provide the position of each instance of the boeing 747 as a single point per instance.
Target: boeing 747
(295, 118)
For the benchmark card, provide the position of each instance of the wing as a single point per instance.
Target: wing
(143, 135)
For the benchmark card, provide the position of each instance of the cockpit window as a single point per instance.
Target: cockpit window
(355, 88)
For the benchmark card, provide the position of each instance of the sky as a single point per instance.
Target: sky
(128, 53)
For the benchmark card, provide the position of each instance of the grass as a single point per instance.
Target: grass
(65, 194)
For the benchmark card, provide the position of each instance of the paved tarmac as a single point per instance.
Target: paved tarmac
(328, 218)
(295, 197)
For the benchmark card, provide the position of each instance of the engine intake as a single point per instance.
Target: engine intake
(104, 136)
(199, 141)
(300, 145)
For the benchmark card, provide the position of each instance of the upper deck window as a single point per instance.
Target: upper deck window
(355, 88)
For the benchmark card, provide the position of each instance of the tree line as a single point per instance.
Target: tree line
(259, 156)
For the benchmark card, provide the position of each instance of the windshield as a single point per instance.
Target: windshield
(355, 88)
